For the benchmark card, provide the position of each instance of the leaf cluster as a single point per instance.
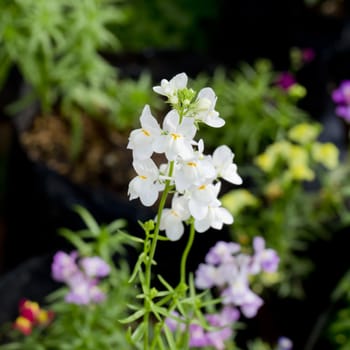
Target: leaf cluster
(55, 45)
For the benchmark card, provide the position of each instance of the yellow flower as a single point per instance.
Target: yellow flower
(270, 278)
(24, 325)
(304, 133)
(297, 91)
(273, 190)
(297, 155)
(265, 162)
(301, 172)
(235, 201)
(280, 148)
(326, 154)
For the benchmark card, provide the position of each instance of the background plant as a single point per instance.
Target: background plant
(63, 63)
(257, 111)
(292, 201)
(158, 25)
(95, 325)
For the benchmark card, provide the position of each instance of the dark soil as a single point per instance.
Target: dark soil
(103, 160)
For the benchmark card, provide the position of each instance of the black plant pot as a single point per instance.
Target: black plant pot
(30, 280)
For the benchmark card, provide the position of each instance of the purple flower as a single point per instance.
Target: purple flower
(201, 337)
(263, 259)
(82, 278)
(94, 266)
(174, 322)
(251, 304)
(285, 80)
(64, 266)
(341, 95)
(198, 337)
(223, 321)
(241, 295)
(83, 291)
(222, 252)
(206, 276)
(343, 112)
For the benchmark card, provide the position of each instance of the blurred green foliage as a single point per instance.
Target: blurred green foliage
(294, 197)
(256, 110)
(167, 24)
(55, 45)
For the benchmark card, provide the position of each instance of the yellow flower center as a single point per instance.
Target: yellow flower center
(175, 136)
(193, 164)
(145, 132)
(173, 212)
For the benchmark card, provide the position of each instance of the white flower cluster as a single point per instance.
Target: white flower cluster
(194, 176)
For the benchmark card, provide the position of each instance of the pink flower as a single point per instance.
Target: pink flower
(308, 54)
(285, 80)
(341, 97)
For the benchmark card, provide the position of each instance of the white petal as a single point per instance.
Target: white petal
(148, 195)
(171, 121)
(147, 119)
(197, 209)
(225, 216)
(201, 225)
(175, 231)
(214, 120)
(230, 174)
(179, 81)
(147, 168)
(207, 93)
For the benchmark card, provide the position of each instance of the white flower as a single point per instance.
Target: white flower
(170, 88)
(216, 217)
(206, 112)
(178, 138)
(141, 140)
(172, 219)
(201, 197)
(193, 171)
(145, 186)
(223, 162)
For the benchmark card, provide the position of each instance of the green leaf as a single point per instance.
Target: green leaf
(133, 317)
(83, 248)
(88, 220)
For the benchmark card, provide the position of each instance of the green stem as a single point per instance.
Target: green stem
(148, 264)
(185, 254)
(182, 284)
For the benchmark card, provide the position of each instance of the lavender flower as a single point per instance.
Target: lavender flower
(81, 276)
(84, 291)
(229, 270)
(220, 323)
(94, 266)
(64, 266)
(264, 259)
(284, 344)
(222, 252)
